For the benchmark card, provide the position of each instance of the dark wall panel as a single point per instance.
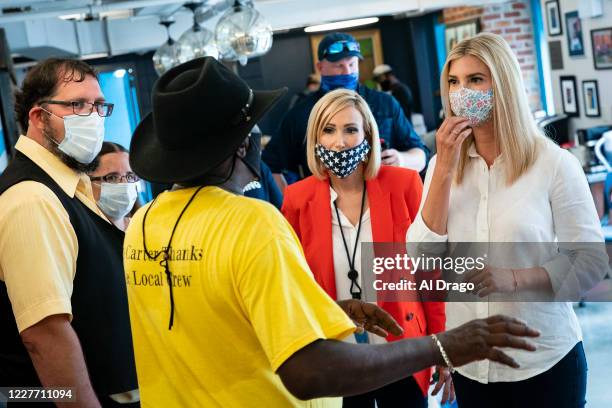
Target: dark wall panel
(288, 63)
(426, 67)
(399, 53)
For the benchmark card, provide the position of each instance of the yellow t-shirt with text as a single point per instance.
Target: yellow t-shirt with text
(245, 301)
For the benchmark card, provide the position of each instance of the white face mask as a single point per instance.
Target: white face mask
(83, 136)
(116, 200)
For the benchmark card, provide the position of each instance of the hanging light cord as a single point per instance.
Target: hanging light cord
(167, 24)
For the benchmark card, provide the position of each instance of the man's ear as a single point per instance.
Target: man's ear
(319, 66)
(242, 150)
(35, 117)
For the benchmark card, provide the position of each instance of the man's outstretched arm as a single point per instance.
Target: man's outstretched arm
(320, 369)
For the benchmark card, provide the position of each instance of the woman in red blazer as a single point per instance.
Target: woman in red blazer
(349, 199)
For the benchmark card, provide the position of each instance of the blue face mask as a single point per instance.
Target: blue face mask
(331, 82)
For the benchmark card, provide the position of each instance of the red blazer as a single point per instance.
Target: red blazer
(394, 197)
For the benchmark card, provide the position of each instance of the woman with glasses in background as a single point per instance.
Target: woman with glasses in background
(115, 186)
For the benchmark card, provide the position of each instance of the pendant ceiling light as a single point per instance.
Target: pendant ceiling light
(210, 9)
(166, 56)
(197, 41)
(243, 33)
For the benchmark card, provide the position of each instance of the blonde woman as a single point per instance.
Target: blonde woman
(496, 178)
(350, 199)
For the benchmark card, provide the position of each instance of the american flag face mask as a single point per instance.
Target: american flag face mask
(344, 162)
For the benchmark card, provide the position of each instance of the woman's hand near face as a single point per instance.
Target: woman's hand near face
(449, 138)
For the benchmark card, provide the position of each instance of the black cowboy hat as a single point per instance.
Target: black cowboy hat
(202, 112)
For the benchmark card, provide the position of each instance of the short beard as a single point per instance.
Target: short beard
(69, 161)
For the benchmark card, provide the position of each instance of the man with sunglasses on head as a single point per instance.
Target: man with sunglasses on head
(63, 306)
(339, 56)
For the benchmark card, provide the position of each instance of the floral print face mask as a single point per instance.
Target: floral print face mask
(472, 104)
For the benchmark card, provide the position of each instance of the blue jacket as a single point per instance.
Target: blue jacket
(287, 149)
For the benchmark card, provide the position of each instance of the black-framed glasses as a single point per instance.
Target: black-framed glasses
(341, 46)
(115, 178)
(82, 108)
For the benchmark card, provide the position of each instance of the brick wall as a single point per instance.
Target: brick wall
(512, 20)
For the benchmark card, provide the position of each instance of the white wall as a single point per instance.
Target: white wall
(582, 67)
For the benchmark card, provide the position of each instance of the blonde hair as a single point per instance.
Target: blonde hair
(323, 111)
(516, 133)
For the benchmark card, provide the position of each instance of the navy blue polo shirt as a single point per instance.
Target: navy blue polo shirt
(287, 149)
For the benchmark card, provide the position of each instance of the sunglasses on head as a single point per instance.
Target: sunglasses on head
(341, 46)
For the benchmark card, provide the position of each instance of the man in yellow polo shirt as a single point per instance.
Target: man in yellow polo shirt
(61, 276)
(224, 310)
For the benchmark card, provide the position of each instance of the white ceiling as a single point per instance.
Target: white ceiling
(34, 27)
(323, 10)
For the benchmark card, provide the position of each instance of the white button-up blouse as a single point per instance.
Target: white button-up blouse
(550, 202)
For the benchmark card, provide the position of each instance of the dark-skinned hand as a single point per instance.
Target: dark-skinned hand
(483, 338)
(370, 317)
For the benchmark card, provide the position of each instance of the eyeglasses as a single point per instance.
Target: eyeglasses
(340, 46)
(115, 178)
(82, 108)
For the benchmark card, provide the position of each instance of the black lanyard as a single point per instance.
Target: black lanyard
(353, 274)
(166, 252)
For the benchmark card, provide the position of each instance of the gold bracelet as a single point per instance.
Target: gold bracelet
(444, 355)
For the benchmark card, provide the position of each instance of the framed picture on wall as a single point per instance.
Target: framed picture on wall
(575, 43)
(569, 96)
(455, 33)
(601, 41)
(590, 92)
(556, 55)
(553, 18)
(370, 44)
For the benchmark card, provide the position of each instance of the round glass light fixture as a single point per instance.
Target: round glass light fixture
(166, 56)
(243, 33)
(197, 41)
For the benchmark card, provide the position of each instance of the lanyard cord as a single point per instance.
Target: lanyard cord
(166, 257)
(353, 274)
(164, 261)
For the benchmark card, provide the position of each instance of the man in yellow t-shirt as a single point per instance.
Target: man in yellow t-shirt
(244, 301)
(223, 307)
